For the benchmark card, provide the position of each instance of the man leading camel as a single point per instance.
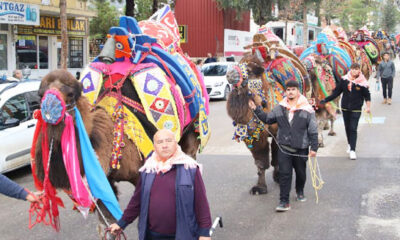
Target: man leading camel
(170, 197)
(297, 132)
(355, 89)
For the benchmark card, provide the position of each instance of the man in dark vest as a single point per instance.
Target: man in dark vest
(170, 197)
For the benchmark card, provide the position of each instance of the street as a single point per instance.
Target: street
(360, 199)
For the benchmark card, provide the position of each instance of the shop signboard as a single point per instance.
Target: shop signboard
(19, 13)
(51, 25)
(235, 41)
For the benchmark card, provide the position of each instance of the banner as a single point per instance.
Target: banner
(235, 41)
(19, 13)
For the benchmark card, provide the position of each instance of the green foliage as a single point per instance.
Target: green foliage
(261, 8)
(107, 16)
(355, 14)
(390, 16)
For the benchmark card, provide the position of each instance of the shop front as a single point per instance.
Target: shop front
(37, 44)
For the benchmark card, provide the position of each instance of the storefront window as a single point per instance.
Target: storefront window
(75, 52)
(43, 52)
(26, 51)
(3, 51)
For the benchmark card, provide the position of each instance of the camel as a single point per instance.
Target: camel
(99, 127)
(323, 83)
(261, 76)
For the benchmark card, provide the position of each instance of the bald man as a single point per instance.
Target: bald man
(170, 198)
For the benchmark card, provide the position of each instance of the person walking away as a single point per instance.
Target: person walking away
(355, 89)
(386, 72)
(297, 136)
(170, 197)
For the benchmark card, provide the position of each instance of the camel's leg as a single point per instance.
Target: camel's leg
(260, 152)
(332, 132)
(274, 160)
(321, 124)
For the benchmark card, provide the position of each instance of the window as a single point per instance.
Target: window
(75, 52)
(26, 50)
(15, 107)
(3, 51)
(310, 35)
(214, 70)
(29, 54)
(33, 101)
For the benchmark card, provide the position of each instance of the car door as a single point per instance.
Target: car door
(15, 142)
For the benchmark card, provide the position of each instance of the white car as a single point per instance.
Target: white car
(18, 100)
(215, 79)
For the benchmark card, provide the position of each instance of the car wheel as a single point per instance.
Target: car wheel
(226, 92)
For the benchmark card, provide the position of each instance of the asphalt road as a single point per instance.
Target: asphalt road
(360, 199)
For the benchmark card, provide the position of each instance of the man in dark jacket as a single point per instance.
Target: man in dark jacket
(355, 90)
(386, 72)
(170, 197)
(297, 132)
(12, 189)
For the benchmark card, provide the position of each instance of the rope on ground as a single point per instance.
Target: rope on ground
(316, 177)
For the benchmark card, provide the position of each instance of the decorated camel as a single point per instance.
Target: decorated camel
(362, 40)
(98, 130)
(384, 43)
(323, 82)
(357, 54)
(261, 76)
(326, 63)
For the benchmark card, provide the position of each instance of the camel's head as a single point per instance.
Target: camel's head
(250, 67)
(59, 91)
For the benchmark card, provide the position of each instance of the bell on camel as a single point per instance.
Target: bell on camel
(107, 54)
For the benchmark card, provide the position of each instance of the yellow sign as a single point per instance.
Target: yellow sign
(183, 33)
(52, 25)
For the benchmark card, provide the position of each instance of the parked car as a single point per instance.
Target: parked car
(215, 79)
(18, 100)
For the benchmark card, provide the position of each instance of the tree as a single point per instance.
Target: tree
(107, 16)
(390, 16)
(262, 9)
(64, 34)
(355, 14)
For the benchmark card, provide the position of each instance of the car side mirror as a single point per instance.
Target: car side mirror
(12, 122)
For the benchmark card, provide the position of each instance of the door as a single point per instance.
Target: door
(15, 141)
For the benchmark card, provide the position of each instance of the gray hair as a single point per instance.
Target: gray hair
(15, 72)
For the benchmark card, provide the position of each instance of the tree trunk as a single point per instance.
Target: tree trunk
(318, 12)
(305, 26)
(64, 34)
(155, 6)
(129, 8)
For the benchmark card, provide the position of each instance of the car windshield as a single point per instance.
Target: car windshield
(214, 70)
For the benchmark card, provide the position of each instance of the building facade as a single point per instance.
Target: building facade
(30, 36)
(204, 25)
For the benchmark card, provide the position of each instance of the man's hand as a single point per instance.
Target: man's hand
(323, 102)
(312, 154)
(114, 228)
(252, 105)
(32, 197)
(368, 110)
(204, 238)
